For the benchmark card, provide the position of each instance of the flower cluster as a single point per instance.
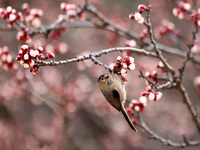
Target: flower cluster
(32, 16)
(22, 35)
(27, 57)
(160, 66)
(152, 75)
(122, 65)
(143, 34)
(195, 17)
(183, 8)
(166, 27)
(152, 96)
(6, 60)
(10, 14)
(56, 33)
(57, 47)
(137, 15)
(129, 43)
(136, 106)
(70, 10)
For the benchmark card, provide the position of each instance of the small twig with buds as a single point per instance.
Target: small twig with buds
(56, 25)
(169, 84)
(158, 52)
(110, 26)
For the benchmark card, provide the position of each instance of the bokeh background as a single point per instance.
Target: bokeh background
(62, 107)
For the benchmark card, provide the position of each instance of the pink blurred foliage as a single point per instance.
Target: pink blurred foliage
(50, 111)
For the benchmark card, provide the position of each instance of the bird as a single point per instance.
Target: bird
(115, 94)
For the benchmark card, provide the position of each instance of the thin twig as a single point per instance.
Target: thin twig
(167, 142)
(188, 56)
(167, 85)
(95, 54)
(152, 39)
(189, 105)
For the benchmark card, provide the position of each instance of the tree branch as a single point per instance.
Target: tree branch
(188, 103)
(167, 142)
(92, 56)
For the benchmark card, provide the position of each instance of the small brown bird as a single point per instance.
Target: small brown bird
(115, 94)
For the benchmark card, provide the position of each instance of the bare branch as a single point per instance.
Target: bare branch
(96, 54)
(188, 103)
(167, 142)
(188, 56)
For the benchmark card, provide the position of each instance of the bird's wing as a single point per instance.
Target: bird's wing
(116, 100)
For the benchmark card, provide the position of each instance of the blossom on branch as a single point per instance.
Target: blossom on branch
(137, 15)
(122, 65)
(26, 57)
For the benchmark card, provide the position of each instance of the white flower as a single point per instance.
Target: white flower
(32, 62)
(26, 56)
(131, 66)
(40, 48)
(3, 57)
(34, 53)
(124, 65)
(123, 72)
(119, 58)
(111, 65)
(131, 43)
(21, 62)
(137, 108)
(137, 16)
(9, 58)
(198, 22)
(175, 12)
(36, 23)
(24, 47)
(151, 96)
(187, 6)
(160, 64)
(158, 96)
(147, 74)
(141, 20)
(131, 60)
(26, 65)
(63, 6)
(148, 88)
(181, 16)
(12, 17)
(9, 9)
(143, 100)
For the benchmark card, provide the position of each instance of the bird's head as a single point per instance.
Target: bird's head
(103, 79)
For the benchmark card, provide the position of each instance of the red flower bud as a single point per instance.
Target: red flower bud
(50, 55)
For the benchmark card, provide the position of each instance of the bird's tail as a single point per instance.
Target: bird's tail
(128, 119)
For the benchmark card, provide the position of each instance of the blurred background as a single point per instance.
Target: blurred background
(62, 107)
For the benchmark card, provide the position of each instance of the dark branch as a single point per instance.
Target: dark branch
(167, 142)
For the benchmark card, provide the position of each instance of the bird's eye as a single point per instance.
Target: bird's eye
(101, 78)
